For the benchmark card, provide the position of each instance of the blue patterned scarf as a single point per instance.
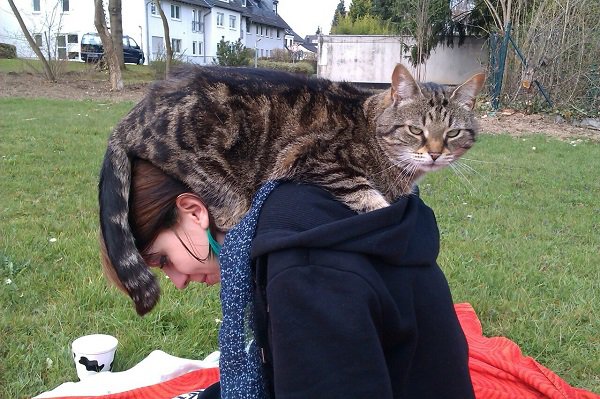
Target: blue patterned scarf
(240, 366)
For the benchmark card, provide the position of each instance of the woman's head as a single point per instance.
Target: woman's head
(169, 224)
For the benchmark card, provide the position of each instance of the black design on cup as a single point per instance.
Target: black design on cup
(91, 365)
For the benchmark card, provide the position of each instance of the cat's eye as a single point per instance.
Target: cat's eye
(415, 130)
(453, 133)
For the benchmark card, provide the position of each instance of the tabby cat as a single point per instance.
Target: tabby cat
(226, 131)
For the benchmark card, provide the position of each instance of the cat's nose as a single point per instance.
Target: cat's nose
(435, 155)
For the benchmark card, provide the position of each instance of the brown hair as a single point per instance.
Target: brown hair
(152, 209)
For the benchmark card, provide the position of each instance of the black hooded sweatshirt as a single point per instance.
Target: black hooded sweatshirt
(357, 305)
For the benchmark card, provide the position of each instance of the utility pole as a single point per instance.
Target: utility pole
(256, 52)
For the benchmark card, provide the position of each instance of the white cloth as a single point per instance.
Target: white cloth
(157, 367)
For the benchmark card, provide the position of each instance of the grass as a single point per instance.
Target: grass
(519, 242)
(131, 74)
(53, 292)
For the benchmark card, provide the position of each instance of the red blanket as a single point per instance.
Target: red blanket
(498, 371)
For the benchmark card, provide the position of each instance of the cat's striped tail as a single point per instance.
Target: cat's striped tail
(114, 186)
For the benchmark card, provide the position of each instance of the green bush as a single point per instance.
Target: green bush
(8, 51)
(281, 55)
(305, 68)
(233, 54)
(365, 25)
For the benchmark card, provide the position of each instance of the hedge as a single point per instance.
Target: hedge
(296, 67)
(8, 51)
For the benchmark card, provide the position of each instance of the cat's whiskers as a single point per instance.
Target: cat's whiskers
(467, 168)
(476, 160)
(407, 173)
(402, 162)
(456, 169)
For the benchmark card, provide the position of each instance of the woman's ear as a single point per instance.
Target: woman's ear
(190, 206)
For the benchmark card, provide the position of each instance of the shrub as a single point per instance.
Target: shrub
(159, 64)
(297, 67)
(281, 55)
(233, 54)
(8, 51)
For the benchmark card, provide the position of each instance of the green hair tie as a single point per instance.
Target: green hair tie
(214, 245)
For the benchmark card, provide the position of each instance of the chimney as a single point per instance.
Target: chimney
(275, 2)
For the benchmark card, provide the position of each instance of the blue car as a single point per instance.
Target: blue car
(92, 49)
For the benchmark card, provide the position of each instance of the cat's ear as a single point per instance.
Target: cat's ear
(465, 93)
(404, 85)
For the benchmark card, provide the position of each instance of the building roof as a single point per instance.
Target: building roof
(199, 3)
(259, 11)
(311, 38)
(310, 47)
(297, 37)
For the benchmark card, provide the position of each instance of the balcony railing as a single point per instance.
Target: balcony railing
(197, 26)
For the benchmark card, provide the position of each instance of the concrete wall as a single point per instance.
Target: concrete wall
(371, 59)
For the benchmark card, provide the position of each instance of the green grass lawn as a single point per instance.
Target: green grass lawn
(520, 242)
(131, 74)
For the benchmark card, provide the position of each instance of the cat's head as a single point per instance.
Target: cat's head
(426, 126)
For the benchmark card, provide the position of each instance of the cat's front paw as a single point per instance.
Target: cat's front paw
(366, 201)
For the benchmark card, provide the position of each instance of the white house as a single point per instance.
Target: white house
(195, 26)
(302, 49)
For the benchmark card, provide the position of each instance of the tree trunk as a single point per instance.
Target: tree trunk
(47, 70)
(110, 56)
(169, 50)
(116, 29)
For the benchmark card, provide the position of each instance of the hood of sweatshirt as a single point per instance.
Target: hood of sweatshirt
(301, 216)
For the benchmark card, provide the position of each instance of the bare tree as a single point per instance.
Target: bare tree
(116, 29)
(168, 47)
(47, 70)
(502, 17)
(110, 55)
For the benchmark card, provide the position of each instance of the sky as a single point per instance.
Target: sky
(305, 16)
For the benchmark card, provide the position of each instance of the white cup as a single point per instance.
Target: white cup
(93, 354)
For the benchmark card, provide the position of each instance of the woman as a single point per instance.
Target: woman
(344, 305)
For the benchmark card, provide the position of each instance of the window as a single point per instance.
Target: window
(200, 49)
(158, 46)
(65, 5)
(176, 45)
(36, 5)
(153, 10)
(257, 29)
(267, 31)
(197, 48)
(175, 10)
(72, 39)
(278, 33)
(61, 47)
(232, 21)
(261, 30)
(243, 3)
(38, 39)
(220, 19)
(248, 25)
(196, 23)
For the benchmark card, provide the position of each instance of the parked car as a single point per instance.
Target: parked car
(92, 49)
